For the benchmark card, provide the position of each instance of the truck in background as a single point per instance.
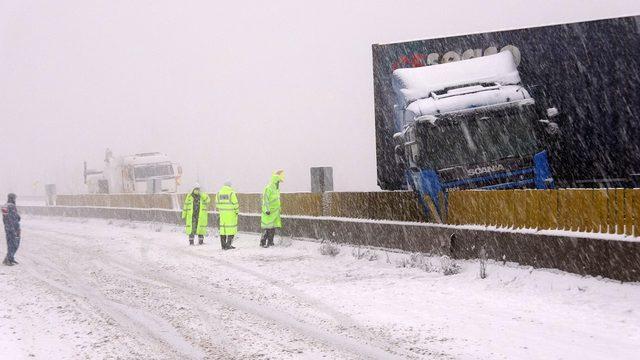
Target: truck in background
(144, 173)
(470, 124)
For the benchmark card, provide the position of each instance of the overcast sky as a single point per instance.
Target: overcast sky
(231, 90)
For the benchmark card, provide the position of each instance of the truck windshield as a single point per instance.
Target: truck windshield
(476, 138)
(152, 170)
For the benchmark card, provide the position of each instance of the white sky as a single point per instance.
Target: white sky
(231, 90)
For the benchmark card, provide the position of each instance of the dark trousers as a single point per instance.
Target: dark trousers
(194, 226)
(267, 237)
(200, 239)
(13, 242)
(225, 241)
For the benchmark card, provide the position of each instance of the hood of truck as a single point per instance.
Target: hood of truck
(464, 99)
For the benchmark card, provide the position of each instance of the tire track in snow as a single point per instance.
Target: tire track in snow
(268, 314)
(363, 343)
(289, 321)
(223, 344)
(135, 320)
(117, 268)
(343, 319)
(358, 347)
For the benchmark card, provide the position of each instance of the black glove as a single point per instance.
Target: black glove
(268, 212)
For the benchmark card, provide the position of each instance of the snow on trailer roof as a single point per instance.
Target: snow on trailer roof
(411, 84)
(147, 158)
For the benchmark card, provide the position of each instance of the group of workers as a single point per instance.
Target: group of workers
(195, 212)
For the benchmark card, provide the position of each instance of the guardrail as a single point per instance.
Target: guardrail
(613, 211)
(381, 205)
(577, 253)
(144, 201)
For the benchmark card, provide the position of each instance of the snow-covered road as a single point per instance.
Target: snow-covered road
(113, 289)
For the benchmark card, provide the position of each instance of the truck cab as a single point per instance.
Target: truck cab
(469, 125)
(144, 173)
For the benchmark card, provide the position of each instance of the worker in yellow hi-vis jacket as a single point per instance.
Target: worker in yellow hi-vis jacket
(270, 219)
(195, 214)
(228, 209)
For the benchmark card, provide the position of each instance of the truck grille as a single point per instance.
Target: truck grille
(508, 173)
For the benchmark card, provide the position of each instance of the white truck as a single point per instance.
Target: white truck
(144, 173)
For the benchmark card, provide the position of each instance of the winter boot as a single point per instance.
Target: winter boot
(263, 240)
(200, 240)
(7, 262)
(229, 241)
(271, 233)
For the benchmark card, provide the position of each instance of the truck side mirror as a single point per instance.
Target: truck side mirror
(399, 151)
(551, 127)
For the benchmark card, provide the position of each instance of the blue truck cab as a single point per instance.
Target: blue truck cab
(470, 125)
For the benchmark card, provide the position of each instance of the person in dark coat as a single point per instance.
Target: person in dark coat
(11, 220)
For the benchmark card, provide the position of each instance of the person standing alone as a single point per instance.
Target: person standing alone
(270, 219)
(195, 212)
(11, 220)
(228, 208)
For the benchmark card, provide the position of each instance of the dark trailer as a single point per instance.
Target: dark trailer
(588, 71)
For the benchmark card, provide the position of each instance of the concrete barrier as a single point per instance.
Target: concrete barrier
(615, 259)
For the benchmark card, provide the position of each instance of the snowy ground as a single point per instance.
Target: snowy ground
(99, 289)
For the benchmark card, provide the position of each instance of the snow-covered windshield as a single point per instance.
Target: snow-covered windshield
(476, 139)
(152, 170)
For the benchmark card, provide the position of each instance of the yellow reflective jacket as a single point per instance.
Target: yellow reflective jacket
(271, 204)
(203, 213)
(228, 209)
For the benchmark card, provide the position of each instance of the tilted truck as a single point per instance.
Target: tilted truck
(139, 173)
(587, 70)
(470, 124)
